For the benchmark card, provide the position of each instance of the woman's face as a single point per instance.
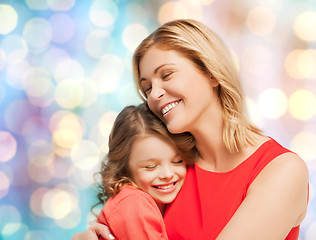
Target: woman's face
(157, 168)
(177, 91)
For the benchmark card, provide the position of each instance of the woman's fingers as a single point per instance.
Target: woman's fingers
(102, 230)
(93, 233)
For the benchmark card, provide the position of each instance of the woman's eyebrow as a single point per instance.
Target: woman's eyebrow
(156, 70)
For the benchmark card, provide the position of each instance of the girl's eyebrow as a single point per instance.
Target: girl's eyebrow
(156, 70)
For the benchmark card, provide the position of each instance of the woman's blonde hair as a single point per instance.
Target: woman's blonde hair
(206, 50)
(131, 123)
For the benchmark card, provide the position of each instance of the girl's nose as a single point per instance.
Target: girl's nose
(166, 173)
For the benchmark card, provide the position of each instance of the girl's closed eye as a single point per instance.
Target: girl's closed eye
(150, 167)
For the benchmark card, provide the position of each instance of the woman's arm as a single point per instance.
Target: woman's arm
(275, 203)
(93, 232)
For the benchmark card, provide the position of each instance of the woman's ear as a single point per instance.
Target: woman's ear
(214, 81)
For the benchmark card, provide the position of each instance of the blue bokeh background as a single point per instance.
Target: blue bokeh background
(65, 73)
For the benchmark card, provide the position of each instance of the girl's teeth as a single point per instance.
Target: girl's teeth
(165, 187)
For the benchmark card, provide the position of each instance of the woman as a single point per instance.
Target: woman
(244, 185)
(144, 169)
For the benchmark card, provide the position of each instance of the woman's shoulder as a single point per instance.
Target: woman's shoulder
(283, 166)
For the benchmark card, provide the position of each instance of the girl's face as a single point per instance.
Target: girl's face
(157, 168)
(177, 91)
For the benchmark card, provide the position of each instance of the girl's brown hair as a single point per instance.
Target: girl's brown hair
(132, 122)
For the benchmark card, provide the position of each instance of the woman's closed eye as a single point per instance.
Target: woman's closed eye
(178, 161)
(167, 76)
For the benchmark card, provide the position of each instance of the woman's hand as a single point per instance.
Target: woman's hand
(93, 233)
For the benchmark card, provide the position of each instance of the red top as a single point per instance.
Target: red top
(208, 200)
(133, 214)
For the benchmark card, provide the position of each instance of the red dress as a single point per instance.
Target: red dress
(133, 214)
(208, 200)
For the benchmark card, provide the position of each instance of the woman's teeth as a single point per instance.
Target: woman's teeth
(169, 107)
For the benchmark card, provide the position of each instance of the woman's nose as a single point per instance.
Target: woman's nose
(157, 91)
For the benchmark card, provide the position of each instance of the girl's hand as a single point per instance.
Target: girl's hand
(93, 233)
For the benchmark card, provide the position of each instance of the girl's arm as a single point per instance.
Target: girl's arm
(275, 203)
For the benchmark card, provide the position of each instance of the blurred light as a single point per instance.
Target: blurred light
(106, 123)
(37, 4)
(102, 141)
(133, 34)
(257, 59)
(261, 20)
(61, 5)
(3, 59)
(66, 129)
(136, 13)
(70, 221)
(90, 92)
(16, 115)
(15, 48)
(302, 104)
(272, 103)
(85, 155)
(8, 16)
(14, 231)
(44, 100)
(99, 43)
(305, 26)
(128, 95)
(304, 145)
(8, 146)
(53, 57)
(63, 27)
(306, 64)
(301, 64)
(36, 82)
(40, 174)
(103, 13)
(58, 203)
(310, 232)
(108, 73)
(15, 72)
(2, 93)
(171, 11)
(201, 2)
(254, 113)
(39, 235)
(37, 34)
(10, 228)
(11, 216)
(69, 94)
(82, 179)
(4, 185)
(36, 201)
(40, 154)
(68, 69)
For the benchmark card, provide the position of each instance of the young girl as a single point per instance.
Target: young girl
(144, 171)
